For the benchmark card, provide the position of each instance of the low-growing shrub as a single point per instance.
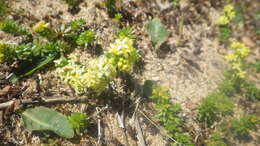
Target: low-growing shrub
(169, 114)
(216, 139)
(86, 38)
(251, 90)
(240, 127)
(10, 26)
(214, 107)
(3, 8)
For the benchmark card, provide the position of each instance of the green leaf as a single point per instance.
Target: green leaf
(26, 70)
(157, 31)
(78, 121)
(42, 118)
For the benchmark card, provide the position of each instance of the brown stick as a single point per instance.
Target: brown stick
(6, 104)
(43, 101)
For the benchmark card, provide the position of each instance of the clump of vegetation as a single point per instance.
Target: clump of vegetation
(96, 74)
(217, 138)
(237, 59)
(230, 85)
(224, 23)
(86, 38)
(126, 32)
(34, 54)
(78, 121)
(256, 66)
(111, 7)
(118, 17)
(10, 26)
(175, 3)
(3, 8)
(43, 30)
(169, 113)
(241, 127)
(214, 107)
(251, 90)
(72, 2)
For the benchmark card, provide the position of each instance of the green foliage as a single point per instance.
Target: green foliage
(256, 66)
(86, 38)
(216, 139)
(10, 26)
(256, 21)
(71, 2)
(111, 7)
(126, 32)
(157, 31)
(224, 33)
(42, 119)
(35, 54)
(43, 30)
(78, 122)
(3, 8)
(239, 15)
(118, 17)
(175, 3)
(240, 127)
(76, 25)
(32, 51)
(169, 113)
(214, 107)
(72, 30)
(230, 85)
(251, 90)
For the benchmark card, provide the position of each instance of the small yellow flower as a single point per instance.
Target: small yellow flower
(40, 26)
(235, 45)
(231, 15)
(228, 8)
(243, 52)
(231, 57)
(223, 20)
(236, 66)
(241, 74)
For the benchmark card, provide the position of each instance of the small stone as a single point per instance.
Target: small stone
(248, 42)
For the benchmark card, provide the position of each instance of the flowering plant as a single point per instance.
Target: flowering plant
(237, 58)
(229, 14)
(96, 75)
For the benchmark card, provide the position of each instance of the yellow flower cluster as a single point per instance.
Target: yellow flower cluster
(122, 54)
(237, 58)
(96, 75)
(40, 26)
(82, 78)
(229, 14)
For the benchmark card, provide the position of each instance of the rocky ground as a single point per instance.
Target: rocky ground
(190, 63)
